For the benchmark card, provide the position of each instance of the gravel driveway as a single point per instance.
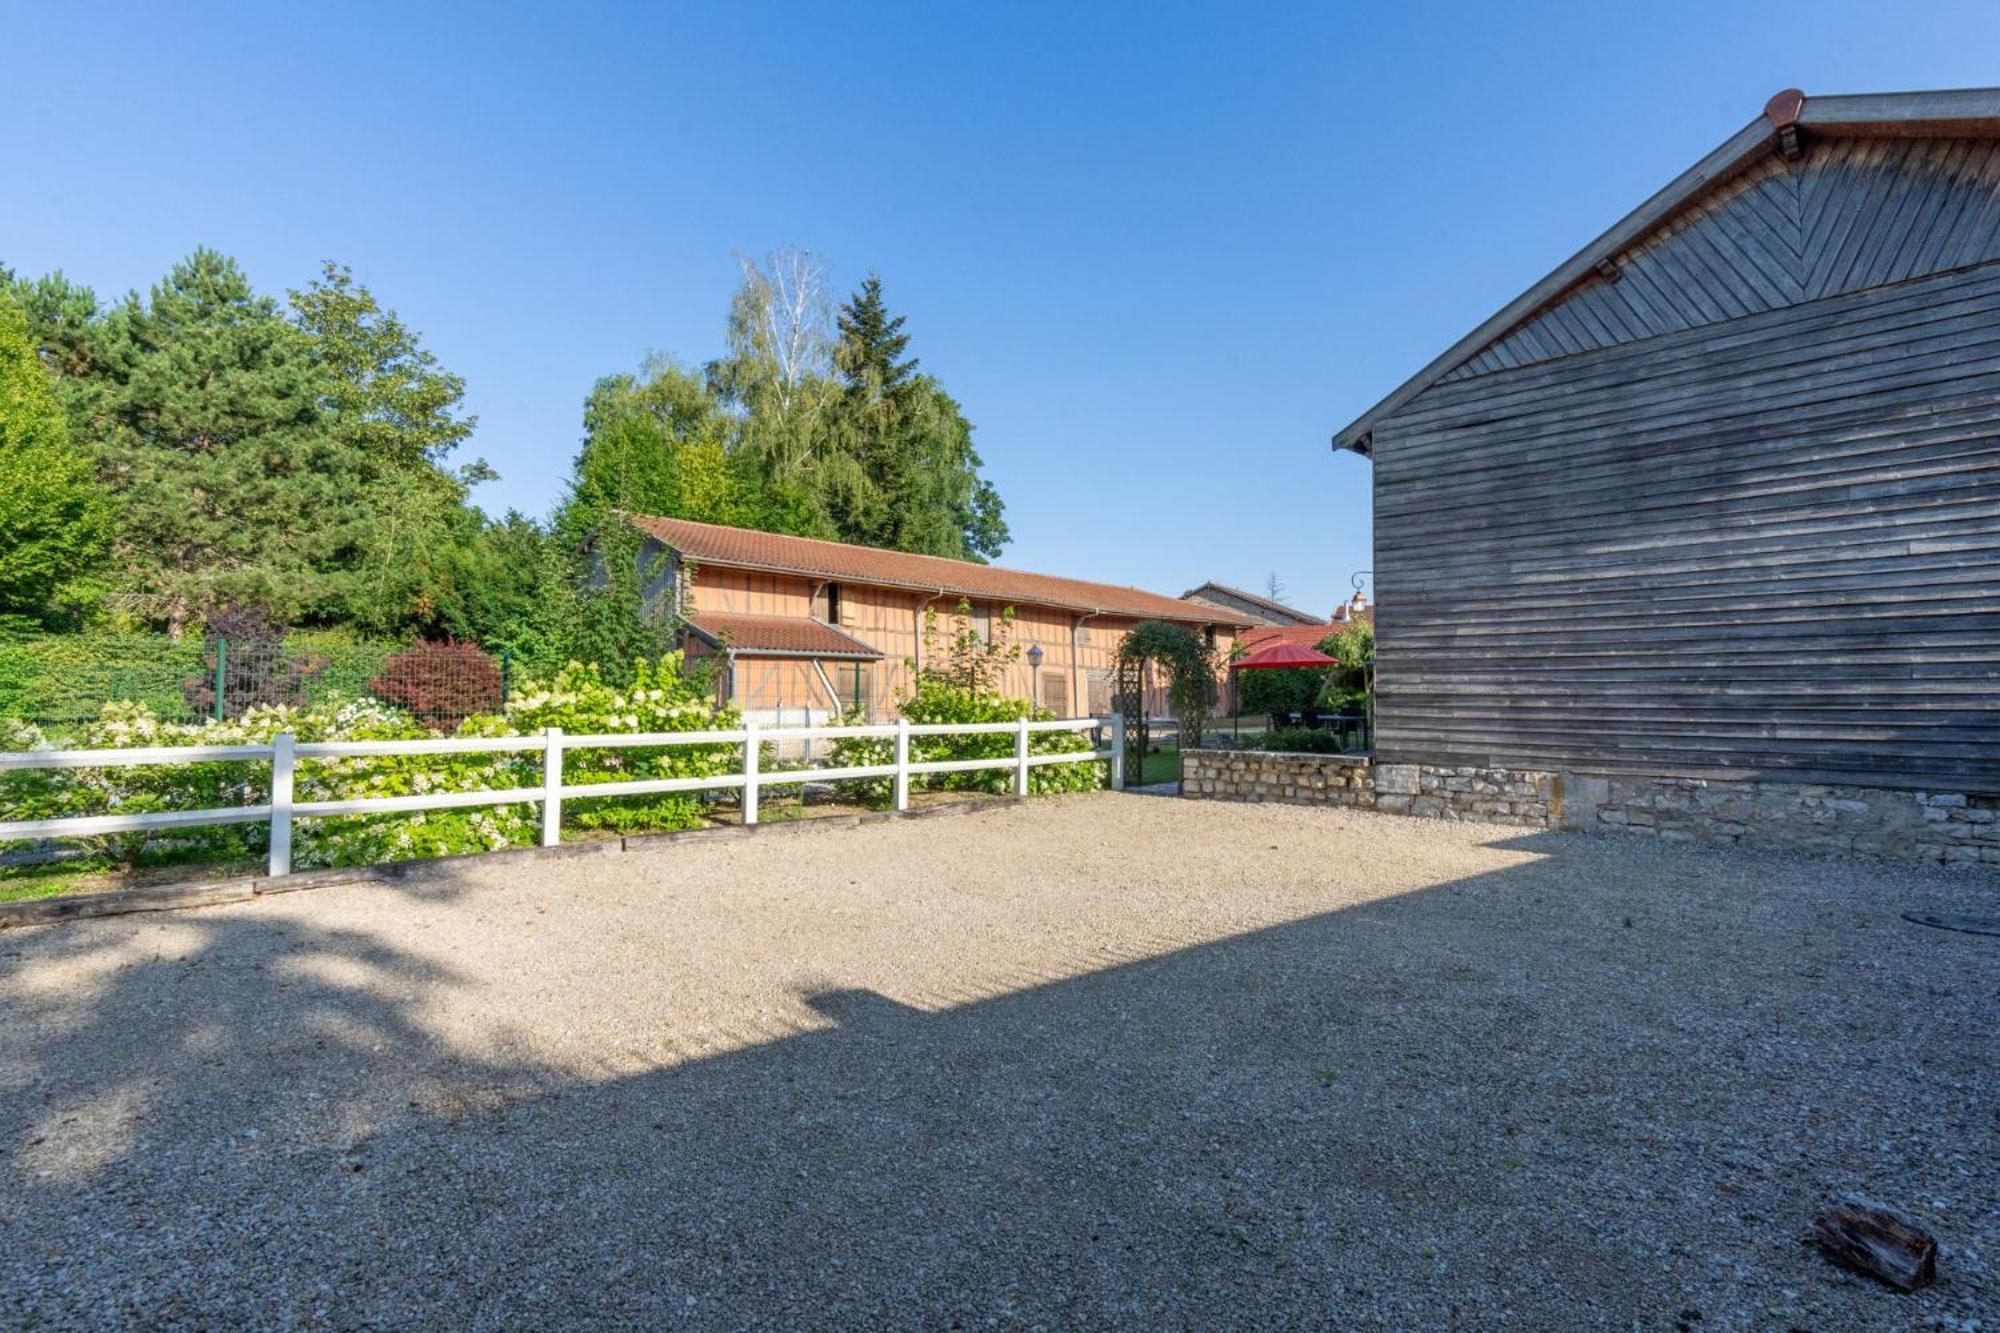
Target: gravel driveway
(1096, 1061)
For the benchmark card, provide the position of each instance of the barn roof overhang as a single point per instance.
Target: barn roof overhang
(1968, 113)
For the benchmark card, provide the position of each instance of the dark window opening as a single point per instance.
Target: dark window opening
(857, 695)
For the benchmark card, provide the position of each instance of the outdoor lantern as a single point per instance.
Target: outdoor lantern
(1035, 656)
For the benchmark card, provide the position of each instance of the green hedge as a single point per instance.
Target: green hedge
(63, 680)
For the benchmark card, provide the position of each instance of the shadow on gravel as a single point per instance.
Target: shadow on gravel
(1603, 1086)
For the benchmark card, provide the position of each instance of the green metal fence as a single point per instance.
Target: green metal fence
(61, 681)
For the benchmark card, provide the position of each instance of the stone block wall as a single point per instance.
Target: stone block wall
(1489, 795)
(1495, 796)
(1265, 775)
(1930, 826)
(1870, 821)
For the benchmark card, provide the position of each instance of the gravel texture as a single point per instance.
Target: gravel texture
(1095, 1061)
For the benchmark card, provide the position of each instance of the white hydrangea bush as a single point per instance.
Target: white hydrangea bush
(663, 697)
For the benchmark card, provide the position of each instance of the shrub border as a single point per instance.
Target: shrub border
(208, 893)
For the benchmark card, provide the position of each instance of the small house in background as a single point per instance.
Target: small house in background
(1354, 611)
(1717, 502)
(814, 629)
(1259, 610)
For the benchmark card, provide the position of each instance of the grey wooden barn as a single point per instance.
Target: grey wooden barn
(1720, 497)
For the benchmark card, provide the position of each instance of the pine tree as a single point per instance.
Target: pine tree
(871, 345)
(911, 480)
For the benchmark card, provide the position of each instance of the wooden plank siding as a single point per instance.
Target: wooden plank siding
(890, 620)
(1849, 215)
(1736, 515)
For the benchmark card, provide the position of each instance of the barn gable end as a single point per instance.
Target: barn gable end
(1719, 500)
(1846, 215)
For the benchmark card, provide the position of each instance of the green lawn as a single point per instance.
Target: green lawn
(92, 874)
(1162, 765)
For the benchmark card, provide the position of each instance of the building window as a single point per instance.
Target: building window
(826, 605)
(1098, 682)
(1055, 693)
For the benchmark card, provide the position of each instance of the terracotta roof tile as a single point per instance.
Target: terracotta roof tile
(778, 636)
(745, 548)
(1305, 636)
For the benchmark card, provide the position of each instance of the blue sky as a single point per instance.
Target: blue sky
(1159, 253)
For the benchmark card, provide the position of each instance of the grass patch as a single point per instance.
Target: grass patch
(1162, 765)
(96, 874)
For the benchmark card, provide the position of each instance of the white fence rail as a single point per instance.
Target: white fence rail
(284, 753)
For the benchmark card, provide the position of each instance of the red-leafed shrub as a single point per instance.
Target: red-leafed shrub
(441, 683)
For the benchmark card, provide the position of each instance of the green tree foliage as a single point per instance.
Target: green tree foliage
(658, 443)
(1347, 684)
(912, 481)
(808, 426)
(1340, 687)
(55, 523)
(959, 682)
(395, 416)
(296, 457)
(1282, 690)
(1190, 665)
(204, 407)
(288, 457)
(776, 381)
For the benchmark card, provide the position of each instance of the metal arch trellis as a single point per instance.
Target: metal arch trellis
(1190, 666)
(1129, 696)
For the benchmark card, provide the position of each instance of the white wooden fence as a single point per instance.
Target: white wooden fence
(284, 752)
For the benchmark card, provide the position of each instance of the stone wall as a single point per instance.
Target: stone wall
(1495, 796)
(1265, 775)
(1490, 795)
(1932, 826)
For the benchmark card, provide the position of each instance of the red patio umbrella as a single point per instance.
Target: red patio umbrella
(1283, 654)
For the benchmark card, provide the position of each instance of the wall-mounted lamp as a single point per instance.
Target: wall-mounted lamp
(1035, 656)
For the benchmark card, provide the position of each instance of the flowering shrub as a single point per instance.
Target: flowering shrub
(661, 698)
(368, 839)
(938, 701)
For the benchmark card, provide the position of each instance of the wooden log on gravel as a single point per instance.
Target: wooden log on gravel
(1877, 1240)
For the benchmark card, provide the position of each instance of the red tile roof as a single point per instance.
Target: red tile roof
(778, 636)
(745, 548)
(1304, 636)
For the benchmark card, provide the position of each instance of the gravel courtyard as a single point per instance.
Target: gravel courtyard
(1096, 1061)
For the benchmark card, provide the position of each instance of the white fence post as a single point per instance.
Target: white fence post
(281, 805)
(552, 767)
(902, 763)
(284, 809)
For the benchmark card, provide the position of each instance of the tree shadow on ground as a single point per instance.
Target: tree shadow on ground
(1550, 1095)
